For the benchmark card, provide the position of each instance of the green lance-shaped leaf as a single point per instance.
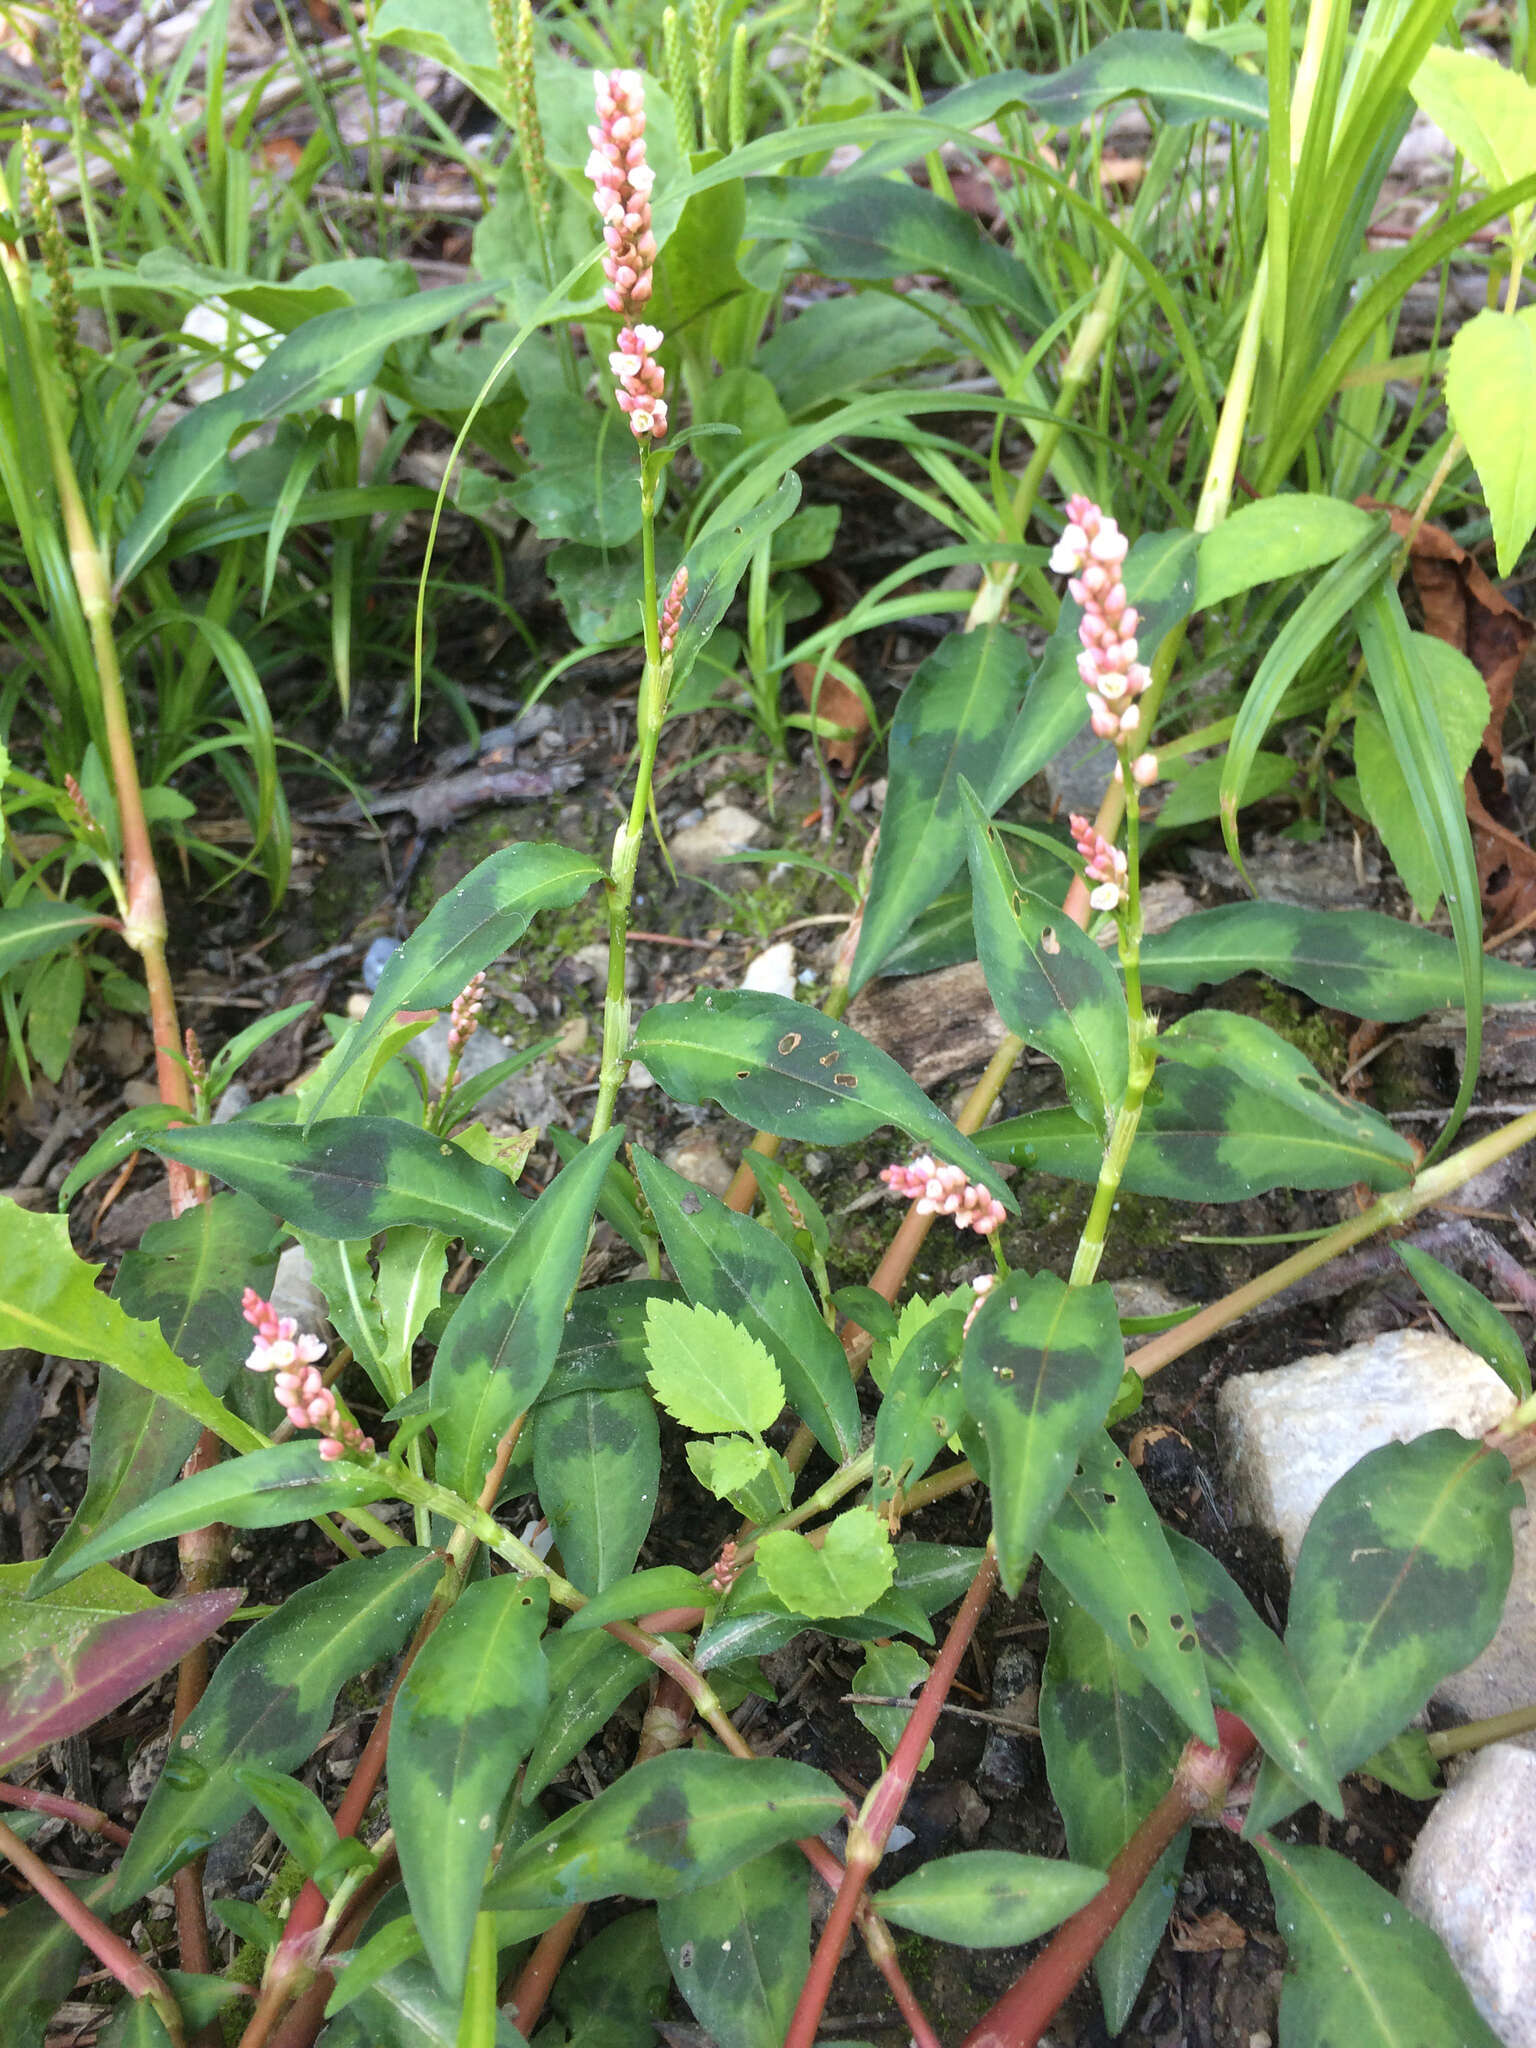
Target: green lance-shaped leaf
(464, 931)
(1360, 1967)
(1471, 1316)
(988, 1898)
(1053, 987)
(922, 1405)
(707, 1372)
(464, 1719)
(402, 2007)
(334, 353)
(263, 1490)
(952, 722)
(589, 1674)
(739, 1948)
(879, 228)
(845, 1575)
(1039, 1371)
(61, 1688)
(32, 1618)
(1251, 1672)
(647, 1592)
(1400, 1581)
(39, 1962)
(716, 563)
(1111, 1747)
(49, 1303)
(269, 1702)
(187, 1275)
(502, 1343)
(1490, 386)
(38, 927)
(670, 1825)
(604, 1343)
(1358, 961)
(1108, 1549)
(1232, 1112)
(730, 1263)
(350, 1176)
(783, 1067)
(617, 1989)
(1274, 539)
(597, 1471)
(1400, 670)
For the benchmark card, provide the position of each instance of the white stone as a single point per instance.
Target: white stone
(1470, 1877)
(772, 973)
(1289, 1434)
(718, 833)
(296, 1293)
(1503, 1678)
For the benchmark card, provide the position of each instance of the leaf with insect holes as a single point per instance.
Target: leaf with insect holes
(783, 1067)
(845, 1575)
(709, 1373)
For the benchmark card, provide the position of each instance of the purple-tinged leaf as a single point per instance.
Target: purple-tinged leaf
(48, 1696)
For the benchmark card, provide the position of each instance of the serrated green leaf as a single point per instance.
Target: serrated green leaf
(1489, 113)
(1400, 1581)
(1108, 1549)
(707, 1372)
(848, 1572)
(465, 1717)
(1361, 1969)
(1111, 1747)
(350, 1176)
(988, 1898)
(597, 1471)
(1358, 961)
(672, 1824)
(739, 1948)
(1040, 1367)
(1053, 987)
(895, 1670)
(270, 1700)
(731, 1263)
(1472, 1317)
(501, 1345)
(784, 1067)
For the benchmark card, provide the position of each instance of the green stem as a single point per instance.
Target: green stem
(1090, 1247)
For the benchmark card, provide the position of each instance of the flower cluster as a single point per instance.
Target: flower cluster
(945, 1191)
(1104, 865)
(617, 167)
(308, 1401)
(672, 610)
(1091, 551)
(464, 1016)
(981, 1287)
(641, 380)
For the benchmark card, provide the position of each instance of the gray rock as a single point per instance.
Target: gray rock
(718, 833)
(484, 1050)
(295, 1292)
(1470, 1878)
(1289, 1434)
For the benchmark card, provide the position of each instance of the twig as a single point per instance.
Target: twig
(90, 1819)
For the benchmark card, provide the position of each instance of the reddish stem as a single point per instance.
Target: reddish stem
(125, 1963)
(538, 1974)
(203, 1553)
(89, 1818)
(868, 1835)
(1201, 1782)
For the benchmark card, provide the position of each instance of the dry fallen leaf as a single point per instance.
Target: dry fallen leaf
(1214, 1930)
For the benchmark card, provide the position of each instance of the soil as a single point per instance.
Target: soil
(1217, 1975)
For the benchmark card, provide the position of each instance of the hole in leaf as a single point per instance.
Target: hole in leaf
(1109, 1499)
(789, 1041)
(1187, 1643)
(829, 1059)
(1049, 943)
(845, 1080)
(1175, 1621)
(743, 1073)
(1139, 1632)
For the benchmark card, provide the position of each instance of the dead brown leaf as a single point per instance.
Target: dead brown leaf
(838, 705)
(1212, 1931)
